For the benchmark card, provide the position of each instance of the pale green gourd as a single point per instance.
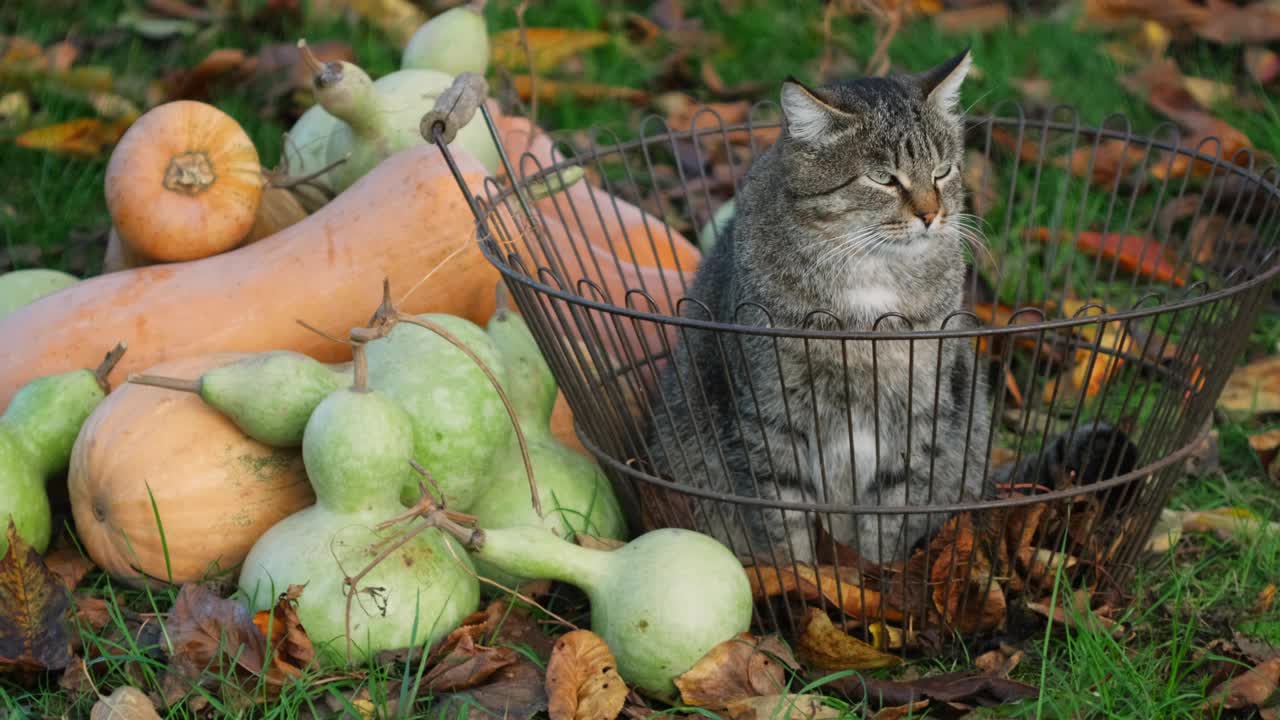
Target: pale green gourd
(37, 432)
(458, 417)
(356, 449)
(575, 495)
(379, 119)
(268, 395)
(453, 42)
(660, 602)
(22, 287)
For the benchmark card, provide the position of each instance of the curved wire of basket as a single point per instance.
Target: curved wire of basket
(1069, 337)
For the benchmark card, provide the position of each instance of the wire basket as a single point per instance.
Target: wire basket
(1124, 276)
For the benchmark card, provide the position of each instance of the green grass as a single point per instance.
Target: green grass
(1183, 601)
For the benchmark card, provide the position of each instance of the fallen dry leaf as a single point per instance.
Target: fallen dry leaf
(1266, 446)
(1263, 64)
(964, 592)
(85, 137)
(515, 692)
(1266, 598)
(976, 19)
(196, 83)
(958, 687)
(1252, 390)
(1000, 661)
(551, 90)
(290, 649)
(466, 666)
(69, 564)
(1252, 689)
(1229, 523)
(782, 707)
(839, 586)
(124, 703)
(980, 181)
(211, 639)
(897, 712)
(824, 645)
(1082, 616)
(549, 46)
(397, 19)
(582, 679)
(34, 608)
(741, 667)
(1230, 24)
(1132, 253)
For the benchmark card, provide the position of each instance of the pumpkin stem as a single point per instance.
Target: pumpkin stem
(109, 362)
(190, 173)
(168, 383)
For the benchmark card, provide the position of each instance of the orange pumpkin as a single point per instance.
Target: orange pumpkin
(183, 183)
(216, 491)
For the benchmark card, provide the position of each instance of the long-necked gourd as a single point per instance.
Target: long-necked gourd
(356, 449)
(574, 494)
(660, 602)
(37, 432)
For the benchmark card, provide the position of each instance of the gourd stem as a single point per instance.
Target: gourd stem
(169, 383)
(109, 362)
(538, 553)
(360, 366)
(309, 58)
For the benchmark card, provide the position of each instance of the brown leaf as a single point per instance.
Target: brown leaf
(69, 564)
(976, 19)
(1081, 617)
(980, 181)
(1253, 389)
(515, 692)
(1230, 24)
(124, 703)
(397, 19)
(1263, 64)
(967, 687)
(290, 649)
(85, 137)
(467, 665)
(1132, 253)
(823, 645)
(582, 679)
(839, 586)
(1252, 689)
(210, 638)
(960, 574)
(552, 90)
(896, 712)
(782, 707)
(34, 607)
(195, 83)
(549, 46)
(1000, 661)
(1266, 598)
(741, 667)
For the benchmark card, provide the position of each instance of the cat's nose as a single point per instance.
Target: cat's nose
(927, 217)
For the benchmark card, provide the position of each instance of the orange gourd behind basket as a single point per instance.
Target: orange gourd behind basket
(183, 183)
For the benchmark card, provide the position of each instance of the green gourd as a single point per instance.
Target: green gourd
(22, 287)
(268, 395)
(458, 418)
(379, 119)
(356, 450)
(453, 42)
(660, 602)
(37, 432)
(574, 493)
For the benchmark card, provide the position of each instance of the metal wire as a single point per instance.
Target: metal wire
(1082, 341)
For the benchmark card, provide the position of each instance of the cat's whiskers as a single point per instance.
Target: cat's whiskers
(847, 242)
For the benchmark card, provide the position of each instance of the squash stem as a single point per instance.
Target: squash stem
(109, 362)
(169, 383)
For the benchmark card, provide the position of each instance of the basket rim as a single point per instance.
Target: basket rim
(489, 245)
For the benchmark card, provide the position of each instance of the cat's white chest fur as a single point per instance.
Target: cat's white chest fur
(871, 300)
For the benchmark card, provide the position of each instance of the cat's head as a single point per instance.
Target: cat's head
(878, 158)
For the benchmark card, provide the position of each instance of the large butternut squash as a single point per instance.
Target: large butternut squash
(216, 491)
(605, 220)
(399, 221)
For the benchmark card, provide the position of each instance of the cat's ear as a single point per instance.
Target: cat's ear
(808, 117)
(941, 85)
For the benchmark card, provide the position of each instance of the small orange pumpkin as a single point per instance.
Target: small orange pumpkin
(184, 182)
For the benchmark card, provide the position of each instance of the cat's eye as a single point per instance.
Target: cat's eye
(942, 171)
(881, 177)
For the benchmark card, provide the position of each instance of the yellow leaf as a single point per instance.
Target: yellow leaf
(548, 46)
(85, 137)
(590, 92)
(398, 19)
(830, 648)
